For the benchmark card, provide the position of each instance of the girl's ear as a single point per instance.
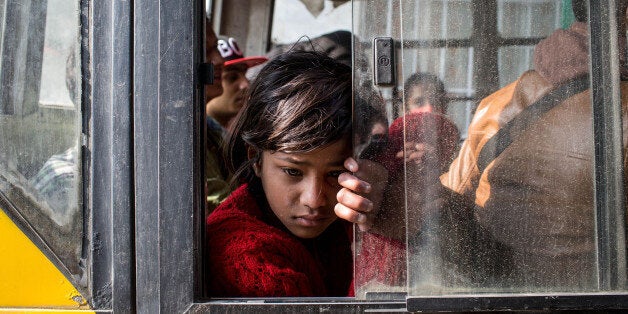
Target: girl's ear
(256, 159)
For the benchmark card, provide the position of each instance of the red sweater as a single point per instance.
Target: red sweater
(428, 128)
(251, 254)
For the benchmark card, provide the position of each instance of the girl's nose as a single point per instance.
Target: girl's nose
(313, 195)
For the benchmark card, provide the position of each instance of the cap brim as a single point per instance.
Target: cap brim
(248, 61)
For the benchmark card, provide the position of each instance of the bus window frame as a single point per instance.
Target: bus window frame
(107, 152)
(142, 145)
(142, 152)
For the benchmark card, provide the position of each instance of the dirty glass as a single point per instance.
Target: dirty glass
(40, 123)
(376, 107)
(456, 217)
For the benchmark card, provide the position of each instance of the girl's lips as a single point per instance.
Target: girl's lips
(312, 220)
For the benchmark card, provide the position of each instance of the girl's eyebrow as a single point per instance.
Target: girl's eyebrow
(293, 160)
(296, 161)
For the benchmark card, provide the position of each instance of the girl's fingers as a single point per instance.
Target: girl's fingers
(346, 213)
(351, 164)
(357, 197)
(351, 182)
(349, 214)
(354, 201)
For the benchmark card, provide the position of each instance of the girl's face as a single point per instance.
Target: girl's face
(301, 187)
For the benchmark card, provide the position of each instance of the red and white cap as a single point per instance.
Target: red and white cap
(231, 53)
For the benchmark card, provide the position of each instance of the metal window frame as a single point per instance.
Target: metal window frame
(108, 152)
(607, 129)
(166, 118)
(142, 137)
(141, 130)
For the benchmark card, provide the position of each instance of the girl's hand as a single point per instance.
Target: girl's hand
(362, 192)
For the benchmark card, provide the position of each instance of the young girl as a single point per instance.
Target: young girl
(277, 234)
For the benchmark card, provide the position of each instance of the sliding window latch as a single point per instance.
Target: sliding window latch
(384, 54)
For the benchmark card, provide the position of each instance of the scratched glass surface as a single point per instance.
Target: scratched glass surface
(523, 224)
(40, 123)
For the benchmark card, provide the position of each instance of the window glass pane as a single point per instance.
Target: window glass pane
(460, 112)
(41, 121)
(524, 222)
(437, 19)
(492, 213)
(442, 61)
(512, 61)
(528, 18)
(60, 38)
(375, 108)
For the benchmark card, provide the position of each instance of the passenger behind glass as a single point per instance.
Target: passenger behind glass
(56, 182)
(420, 146)
(537, 197)
(222, 109)
(276, 235)
(533, 204)
(224, 100)
(429, 133)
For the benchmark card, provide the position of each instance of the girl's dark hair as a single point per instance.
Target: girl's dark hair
(299, 102)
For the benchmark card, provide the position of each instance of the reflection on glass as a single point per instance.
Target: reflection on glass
(493, 216)
(40, 156)
(436, 19)
(522, 18)
(513, 61)
(380, 261)
(60, 38)
(460, 112)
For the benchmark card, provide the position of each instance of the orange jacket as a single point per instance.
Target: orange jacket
(537, 196)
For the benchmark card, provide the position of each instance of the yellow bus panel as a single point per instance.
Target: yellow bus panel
(28, 279)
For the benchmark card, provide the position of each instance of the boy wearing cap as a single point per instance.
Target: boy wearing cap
(233, 80)
(222, 108)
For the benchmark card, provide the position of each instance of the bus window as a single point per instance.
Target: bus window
(513, 210)
(40, 126)
(534, 213)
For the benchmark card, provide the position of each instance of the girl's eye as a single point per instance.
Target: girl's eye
(292, 172)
